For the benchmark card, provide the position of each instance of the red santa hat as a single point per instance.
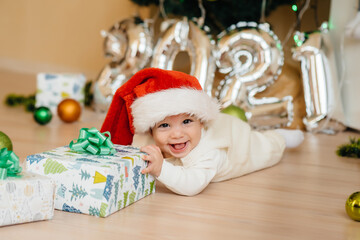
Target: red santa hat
(151, 95)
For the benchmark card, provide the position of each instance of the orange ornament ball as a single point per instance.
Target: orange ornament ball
(69, 110)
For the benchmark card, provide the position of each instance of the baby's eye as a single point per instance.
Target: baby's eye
(187, 121)
(163, 125)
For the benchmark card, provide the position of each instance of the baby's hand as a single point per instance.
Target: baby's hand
(155, 159)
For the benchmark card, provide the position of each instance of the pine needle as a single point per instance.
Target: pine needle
(351, 149)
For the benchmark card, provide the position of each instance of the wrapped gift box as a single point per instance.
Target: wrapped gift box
(52, 88)
(26, 198)
(98, 185)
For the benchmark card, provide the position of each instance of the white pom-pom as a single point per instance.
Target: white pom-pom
(293, 138)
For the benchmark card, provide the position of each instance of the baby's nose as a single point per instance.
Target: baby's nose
(177, 133)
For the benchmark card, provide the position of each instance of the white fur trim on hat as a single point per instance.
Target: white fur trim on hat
(155, 107)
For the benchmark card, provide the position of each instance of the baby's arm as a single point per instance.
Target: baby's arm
(182, 180)
(186, 181)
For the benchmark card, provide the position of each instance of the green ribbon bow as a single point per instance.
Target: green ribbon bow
(93, 141)
(9, 164)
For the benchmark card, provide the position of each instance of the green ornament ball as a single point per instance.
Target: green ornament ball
(352, 206)
(235, 111)
(5, 142)
(42, 115)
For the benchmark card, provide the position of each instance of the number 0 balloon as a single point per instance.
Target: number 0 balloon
(186, 36)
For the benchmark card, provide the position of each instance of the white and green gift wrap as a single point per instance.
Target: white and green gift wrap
(98, 185)
(52, 88)
(26, 197)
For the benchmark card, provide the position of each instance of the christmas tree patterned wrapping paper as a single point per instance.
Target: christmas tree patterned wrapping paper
(97, 185)
(52, 88)
(26, 198)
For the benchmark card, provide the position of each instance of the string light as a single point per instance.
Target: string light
(297, 41)
(299, 38)
(294, 7)
(324, 26)
(295, 24)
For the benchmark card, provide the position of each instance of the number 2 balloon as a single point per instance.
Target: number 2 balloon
(251, 57)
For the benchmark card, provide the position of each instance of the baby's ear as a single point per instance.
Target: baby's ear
(293, 138)
(203, 125)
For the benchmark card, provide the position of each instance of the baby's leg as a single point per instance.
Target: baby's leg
(293, 138)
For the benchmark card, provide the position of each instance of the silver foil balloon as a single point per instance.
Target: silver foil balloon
(322, 102)
(129, 44)
(251, 58)
(185, 36)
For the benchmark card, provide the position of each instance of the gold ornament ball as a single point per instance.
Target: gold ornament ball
(5, 142)
(352, 206)
(69, 110)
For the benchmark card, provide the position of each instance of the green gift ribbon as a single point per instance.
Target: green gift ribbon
(9, 164)
(94, 142)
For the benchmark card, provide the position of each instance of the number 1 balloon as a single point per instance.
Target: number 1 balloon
(322, 102)
(251, 57)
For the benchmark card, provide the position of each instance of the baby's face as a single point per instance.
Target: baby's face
(177, 135)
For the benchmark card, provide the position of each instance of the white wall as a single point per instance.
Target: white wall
(341, 13)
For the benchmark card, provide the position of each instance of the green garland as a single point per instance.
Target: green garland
(220, 14)
(89, 96)
(351, 149)
(14, 100)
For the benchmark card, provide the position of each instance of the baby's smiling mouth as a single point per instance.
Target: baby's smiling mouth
(178, 146)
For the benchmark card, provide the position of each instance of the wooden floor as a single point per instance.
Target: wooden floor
(303, 197)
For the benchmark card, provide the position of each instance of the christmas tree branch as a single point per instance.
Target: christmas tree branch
(351, 149)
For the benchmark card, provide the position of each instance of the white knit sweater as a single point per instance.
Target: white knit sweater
(228, 148)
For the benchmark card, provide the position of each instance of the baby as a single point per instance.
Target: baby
(188, 142)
